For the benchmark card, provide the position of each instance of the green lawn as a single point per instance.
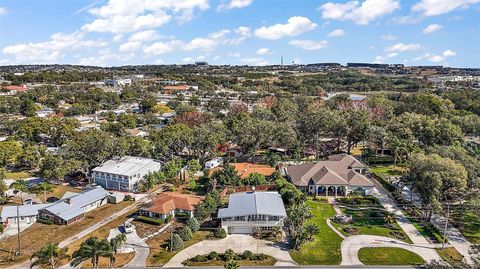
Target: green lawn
(371, 222)
(388, 256)
(450, 255)
(467, 221)
(386, 170)
(325, 249)
(18, 175)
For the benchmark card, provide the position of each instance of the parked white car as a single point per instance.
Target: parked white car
(128, 227)
(215, 162)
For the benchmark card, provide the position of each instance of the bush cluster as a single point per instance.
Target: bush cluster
(149, 220)
(229, 254)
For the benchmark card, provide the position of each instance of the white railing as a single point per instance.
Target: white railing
(252, 223)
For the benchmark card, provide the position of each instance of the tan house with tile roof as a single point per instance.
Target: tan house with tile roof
(340, 175)
(170, 203)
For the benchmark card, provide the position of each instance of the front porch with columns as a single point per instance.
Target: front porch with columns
(328, 190)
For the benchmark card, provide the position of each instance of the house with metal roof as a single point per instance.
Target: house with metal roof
(27, 214)
(73, 208)
(248, 211)
(124, 174)
(340, 175)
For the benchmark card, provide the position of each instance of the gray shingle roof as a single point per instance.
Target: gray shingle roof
(253, 203)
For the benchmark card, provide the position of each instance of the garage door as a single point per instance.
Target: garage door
(240, 230)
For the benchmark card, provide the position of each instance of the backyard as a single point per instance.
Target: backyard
(39, 234)
(325, 248)
(388, 256)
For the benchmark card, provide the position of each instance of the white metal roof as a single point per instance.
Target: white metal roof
(253, 203)
(126, 166)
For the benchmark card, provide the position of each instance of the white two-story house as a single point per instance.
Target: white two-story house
(124, 174)
(249, 210)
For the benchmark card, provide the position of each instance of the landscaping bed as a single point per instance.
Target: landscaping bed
(370, 222)
(388, 256)
(247, 258)
(325, 247)
(144, 229)
(159, 255)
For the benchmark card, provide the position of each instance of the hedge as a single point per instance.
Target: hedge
(149, 220)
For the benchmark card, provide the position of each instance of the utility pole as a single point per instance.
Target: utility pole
(446, 226)
(18, 230)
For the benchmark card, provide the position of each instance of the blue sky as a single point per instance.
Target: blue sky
(254, 32)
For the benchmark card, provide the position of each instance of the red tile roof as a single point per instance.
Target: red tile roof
(168, 201)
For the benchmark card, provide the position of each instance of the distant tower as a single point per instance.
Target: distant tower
(281, 60)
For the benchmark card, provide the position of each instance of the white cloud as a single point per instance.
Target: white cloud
(50, 51)
(389, 37)
(401, 47)
(234, 4)
(337, 32)
(119, 16)
(295, 26)
(3, 11)
(254, 61)
(200, 43)
(105, 57)
(188, 60)
(438, 7)
(436, 58)
(380, 59)
(130, 46)
(217, 57)
(144, 36)
(158, 48)
(363, 13)
(243, 31)
(262, 51)
(432, 28)
(308, 44)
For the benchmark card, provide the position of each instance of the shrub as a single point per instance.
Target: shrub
(247, 255)
(219, 233)
(45, 221)
(214, 256)
(199, 258)
(149, 220)
(229, 254)
(185, 233)
(176, 242)
(128, 198)
(193, 224)
(168, 218)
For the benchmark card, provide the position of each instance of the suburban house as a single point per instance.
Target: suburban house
(71, 209)
(170, 204)
(124, 174)
(249, 210)
(27, 214)
(341, 175)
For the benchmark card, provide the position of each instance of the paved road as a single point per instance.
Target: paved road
(239, 243)
(352, 244)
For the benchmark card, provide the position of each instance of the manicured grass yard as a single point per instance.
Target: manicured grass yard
(371, 222)
(39, 235)
(159, 255)
(467, 221)
(450, 255)
(388, 256)
(325, 249)
(387, 170)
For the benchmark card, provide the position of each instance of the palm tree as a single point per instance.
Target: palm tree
(44, 187)
(93, 248)
(48, 255)
(20, 186)
(389, 219)
(115, 243)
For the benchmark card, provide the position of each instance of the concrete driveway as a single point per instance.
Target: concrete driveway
(352, 244)
(239, 243)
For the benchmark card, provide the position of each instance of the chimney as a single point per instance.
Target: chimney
(68, 201)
